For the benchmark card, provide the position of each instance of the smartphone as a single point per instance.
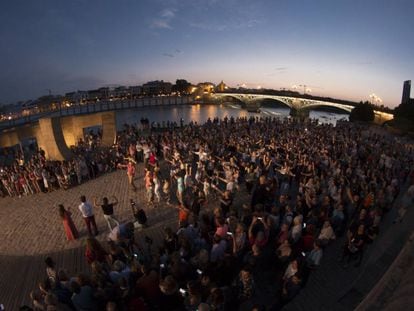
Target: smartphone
(304, 225)
(229, 233)
(199, 271)
(136, 255)
(260, 218)
(1, 307)
(182, 291)
(162, 266)
(303, 254)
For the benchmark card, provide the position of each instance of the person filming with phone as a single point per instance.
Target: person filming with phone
(258, 232)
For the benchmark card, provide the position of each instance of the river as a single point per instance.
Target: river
(201, 113)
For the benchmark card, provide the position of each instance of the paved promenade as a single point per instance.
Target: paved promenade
(31, 229)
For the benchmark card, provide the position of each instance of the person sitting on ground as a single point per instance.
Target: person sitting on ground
(94, 251)
(327, 233)
(139, 215)
(244, 284)
(284, 251)
(119, 270)
(313, 259)
(51, 269)
(37, 300)
(291, 288)
(63, 295)
(291, 269)
(123, 235)
(83, 297)
(354, 247)
(116, 253)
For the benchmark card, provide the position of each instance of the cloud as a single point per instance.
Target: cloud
(164, 19)
(168, 13)
(160, 24)
(226, 26)
(277, 70)
(363, 63)
(172, 54)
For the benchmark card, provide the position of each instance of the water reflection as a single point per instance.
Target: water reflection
(201, 113)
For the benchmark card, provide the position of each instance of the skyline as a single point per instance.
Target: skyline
(346, 49)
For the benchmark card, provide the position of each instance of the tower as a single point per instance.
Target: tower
(406, 92)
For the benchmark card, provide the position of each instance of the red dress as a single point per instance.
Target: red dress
(70, 229)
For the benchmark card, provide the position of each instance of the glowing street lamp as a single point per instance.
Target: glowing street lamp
(375, 99)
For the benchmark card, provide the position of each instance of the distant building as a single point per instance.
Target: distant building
(221, 87)
(157, 88)
(205, 87)
(406, 92)
(77, 96)
(136, 90)
(94, 95)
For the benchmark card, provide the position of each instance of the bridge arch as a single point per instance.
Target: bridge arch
(327, 105)
(234, 98)
(267, 102)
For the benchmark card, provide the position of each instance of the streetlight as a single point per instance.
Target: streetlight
(375, 99)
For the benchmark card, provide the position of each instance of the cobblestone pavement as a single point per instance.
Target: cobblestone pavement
(31, 225)
(31, 229)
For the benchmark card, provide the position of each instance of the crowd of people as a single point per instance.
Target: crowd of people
(37, 174)
(258, 201)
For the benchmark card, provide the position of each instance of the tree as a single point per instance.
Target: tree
(182, 86)
(363, 111)
(404, 116)
(405, 111)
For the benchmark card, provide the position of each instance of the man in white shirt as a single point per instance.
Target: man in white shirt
(87, 214)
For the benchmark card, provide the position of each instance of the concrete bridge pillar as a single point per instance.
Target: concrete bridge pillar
(50, 139)
(73, 127)
(108, 128)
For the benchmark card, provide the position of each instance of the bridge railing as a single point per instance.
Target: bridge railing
(61, 110)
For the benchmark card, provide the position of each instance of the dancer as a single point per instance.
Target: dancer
(70, 229)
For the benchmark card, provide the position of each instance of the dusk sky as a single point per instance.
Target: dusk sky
(346, 49)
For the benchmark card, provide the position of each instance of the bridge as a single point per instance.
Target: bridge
(55, 130)
(299, 107)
